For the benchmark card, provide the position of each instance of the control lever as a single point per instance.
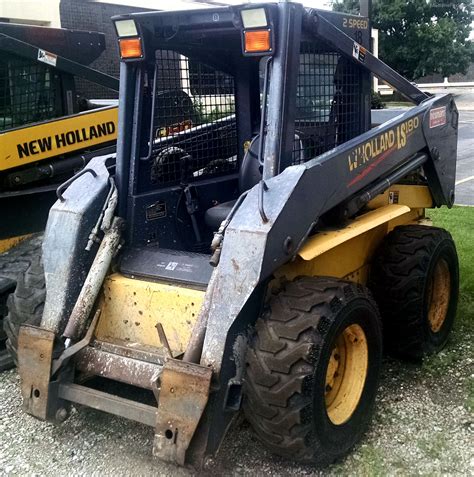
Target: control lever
(191, 201)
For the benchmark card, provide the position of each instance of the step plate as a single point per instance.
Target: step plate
(169, 265)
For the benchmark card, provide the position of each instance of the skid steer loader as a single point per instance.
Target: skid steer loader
(47, 133)
(245, 257)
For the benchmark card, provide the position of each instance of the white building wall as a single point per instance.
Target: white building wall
(32, 12)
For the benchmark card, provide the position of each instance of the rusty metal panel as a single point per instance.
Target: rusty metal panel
(131, 309)
(96, 362)
(35, 352)
(183, 396)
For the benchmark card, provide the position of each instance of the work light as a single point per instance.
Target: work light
(254, 18)
(130, 42)
(257, 37)
(126, 28)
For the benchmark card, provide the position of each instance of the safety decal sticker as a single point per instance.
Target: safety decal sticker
(358, 52)
(156, 211)
(47, 57)
(437, 117)
(393, 197)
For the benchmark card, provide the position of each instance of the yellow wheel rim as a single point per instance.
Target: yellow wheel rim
(439, 291)
(346, 374)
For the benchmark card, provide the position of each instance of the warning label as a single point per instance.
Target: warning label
(358, 52)
(393, 197)
(47, 57)
(156, 210)
(438, 117)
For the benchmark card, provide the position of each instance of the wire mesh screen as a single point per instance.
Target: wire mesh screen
(29, 92)
(327, 102)
(194, 126)
(88, 93)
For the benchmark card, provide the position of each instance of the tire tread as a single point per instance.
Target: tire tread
(397, 281)
(281, 361)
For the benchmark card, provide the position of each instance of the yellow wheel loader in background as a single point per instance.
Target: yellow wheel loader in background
(47, 133)
(252, 241)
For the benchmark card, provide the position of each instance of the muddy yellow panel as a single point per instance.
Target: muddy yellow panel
(131, 309)
(347, 252)
(7, 244)
(413, 196)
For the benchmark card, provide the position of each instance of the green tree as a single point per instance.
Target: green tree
(421, 37)
(346, 6)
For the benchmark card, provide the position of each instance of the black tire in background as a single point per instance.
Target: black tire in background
(13, 264)
(309, 390)
(25, 305)
(7, 286)
(415, 281)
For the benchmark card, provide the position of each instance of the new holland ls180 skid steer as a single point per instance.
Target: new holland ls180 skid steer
(256, 235)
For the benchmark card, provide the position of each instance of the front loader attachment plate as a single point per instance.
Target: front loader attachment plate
(35, 352)
(183, 396)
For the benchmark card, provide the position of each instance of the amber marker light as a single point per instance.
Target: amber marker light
(130, 48)
(257, 41)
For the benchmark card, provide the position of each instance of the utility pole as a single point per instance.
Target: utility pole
(365, 8)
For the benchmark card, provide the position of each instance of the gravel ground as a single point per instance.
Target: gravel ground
(424, 425)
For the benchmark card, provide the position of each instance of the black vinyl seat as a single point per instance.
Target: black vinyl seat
(250, 174)
(215, 215)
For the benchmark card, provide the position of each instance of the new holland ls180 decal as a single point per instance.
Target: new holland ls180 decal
(56, 137)
(369, 155)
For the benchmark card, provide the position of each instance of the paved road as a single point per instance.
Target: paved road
(465, 164)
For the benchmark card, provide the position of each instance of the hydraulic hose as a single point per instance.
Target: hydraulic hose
(93, 283)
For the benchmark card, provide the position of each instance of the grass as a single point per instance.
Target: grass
(368, 462)
(434, 446)
(460, 222)
(372, 461)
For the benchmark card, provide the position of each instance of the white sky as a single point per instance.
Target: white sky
(188, 5)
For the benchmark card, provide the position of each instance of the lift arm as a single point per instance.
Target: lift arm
(20, 48)
(321, 28)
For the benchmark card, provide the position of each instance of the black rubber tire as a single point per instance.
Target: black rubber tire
(13, 265)
(25, 305)
(6, 361)
(401, 271)
(286, 365)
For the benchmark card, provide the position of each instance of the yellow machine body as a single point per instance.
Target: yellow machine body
(131, 308)
(7, 244)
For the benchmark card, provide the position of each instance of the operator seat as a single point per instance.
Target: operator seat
(250, 174)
